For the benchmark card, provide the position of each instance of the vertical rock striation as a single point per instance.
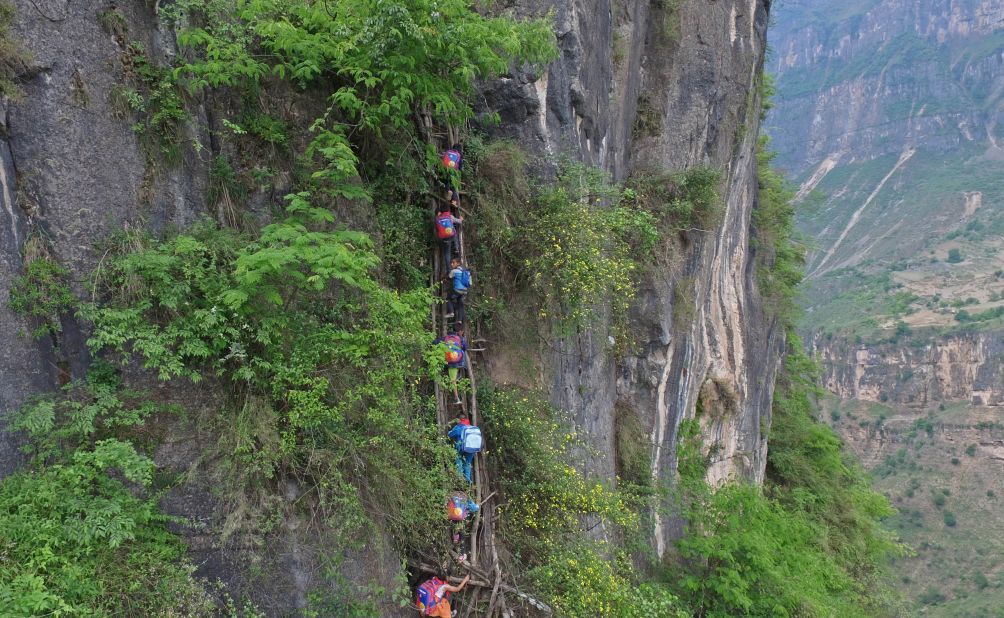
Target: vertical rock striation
(665, 85)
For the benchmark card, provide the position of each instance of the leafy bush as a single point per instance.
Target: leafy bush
(543, 497)
(679, 201)
(78, 542)
(42, 293)
(157, 98)
(13, 58)
(545, 503)
(780, 255)
(809, 474)
(577, 245)
(949, 518)
(954, 256)
(333, 373)
(582, 253)
(581, 584)
(384, 59)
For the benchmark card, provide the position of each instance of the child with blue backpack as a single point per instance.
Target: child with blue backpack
(461, 285)
(467, 440)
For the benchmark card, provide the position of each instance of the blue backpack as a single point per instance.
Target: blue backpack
(470, 439)
(462, 281)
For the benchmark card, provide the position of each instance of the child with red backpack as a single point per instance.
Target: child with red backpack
(456, 357)
(458, 506)
(433, 597)
(446, 225)
(468, 441)
(453, 161)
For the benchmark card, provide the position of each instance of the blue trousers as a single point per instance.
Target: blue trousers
(464, 464)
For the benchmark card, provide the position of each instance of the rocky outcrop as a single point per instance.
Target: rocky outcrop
(965, 367)
(666, 85)
(73, 173)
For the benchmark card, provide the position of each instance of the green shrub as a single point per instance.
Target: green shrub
(78, 542)
(42, 294)
(543, 502)
(579, 583)
(949, 518)
(812, 478)
(780, 255)
(954, 256)
(581, 252)
(13, 58)
(679, 201)
(980, 580)
(157, 98)
(543, 497)
(939, 500)
(333, 373)
(971, 450)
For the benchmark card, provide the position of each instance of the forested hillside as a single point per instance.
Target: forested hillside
(223, 322)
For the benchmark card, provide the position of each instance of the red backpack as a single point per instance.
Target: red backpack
(456, 507)
(451, 159)
(444, 226)
(454, 349)
(425, 596)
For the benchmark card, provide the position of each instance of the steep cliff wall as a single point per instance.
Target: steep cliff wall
(954, 368)
(667, 85)
(74, 172)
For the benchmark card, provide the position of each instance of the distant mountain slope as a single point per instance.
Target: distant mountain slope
(890, 115)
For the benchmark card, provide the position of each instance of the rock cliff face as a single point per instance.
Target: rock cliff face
(74, 173)
(668, 84)
(955, 368)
